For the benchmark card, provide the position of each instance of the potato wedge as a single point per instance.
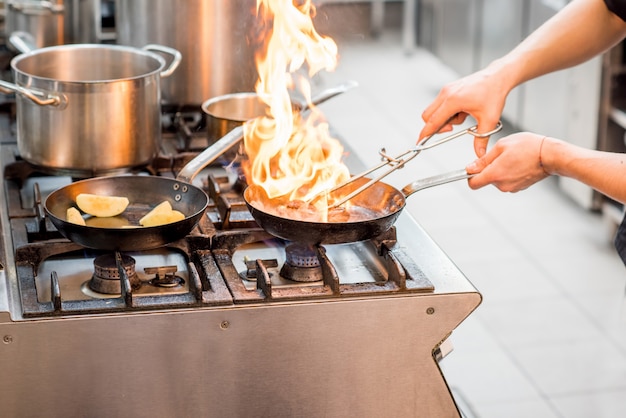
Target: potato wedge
(163, 218)
(163, 207)
(162, 214)
(101, 206)
(108, 222)
(73, 215)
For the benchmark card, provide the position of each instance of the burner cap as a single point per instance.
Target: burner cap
(301, 263)
(301, 255)
(106, 277)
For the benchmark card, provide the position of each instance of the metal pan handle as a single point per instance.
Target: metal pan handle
(427, 182)
(23, 42)
(206, 157)
(176, 57)
(41, 98)
(36, 7)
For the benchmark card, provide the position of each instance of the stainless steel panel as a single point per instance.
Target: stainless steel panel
(502, 27)
(546, 97)
(365, 358)
(456, 34)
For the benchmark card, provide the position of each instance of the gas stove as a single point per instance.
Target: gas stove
(228, 321)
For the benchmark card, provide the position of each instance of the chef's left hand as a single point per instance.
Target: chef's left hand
(512, 165)
(481, 95)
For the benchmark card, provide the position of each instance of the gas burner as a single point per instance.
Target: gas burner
(301, 264)
(165, 277)
(188, 126)
(106, 276)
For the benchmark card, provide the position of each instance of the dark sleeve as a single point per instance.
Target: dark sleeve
(618, 7)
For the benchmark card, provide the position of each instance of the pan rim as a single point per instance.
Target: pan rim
(398, 208)
(130, 228)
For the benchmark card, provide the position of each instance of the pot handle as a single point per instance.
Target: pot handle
(38, 97)
(23, 42)
(36, 7)
(177, 57)
(427, 182)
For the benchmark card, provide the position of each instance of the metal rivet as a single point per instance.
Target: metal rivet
(224, 325)
(430, 311)
(7, 339)
(176, 186)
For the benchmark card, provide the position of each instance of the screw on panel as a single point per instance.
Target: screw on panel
(7, 339)
(224, 325)
(430, 311)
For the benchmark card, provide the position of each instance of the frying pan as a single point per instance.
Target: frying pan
(144, 192)
(378, 207)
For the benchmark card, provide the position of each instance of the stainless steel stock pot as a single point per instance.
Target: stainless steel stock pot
(88, 109)
(217, 39)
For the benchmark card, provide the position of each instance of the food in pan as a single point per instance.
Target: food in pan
(301, 211)
(73, 215)
(162, 214)
(101, 206)
(108, 222)
(298, 210)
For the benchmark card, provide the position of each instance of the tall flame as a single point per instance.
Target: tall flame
(292, 157)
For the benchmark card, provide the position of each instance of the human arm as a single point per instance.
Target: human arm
(520, 160)
(581, 30)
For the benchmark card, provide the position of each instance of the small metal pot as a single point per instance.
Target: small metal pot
(225, 113)
(86, 109)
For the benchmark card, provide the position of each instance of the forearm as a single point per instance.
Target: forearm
(580, 31)
(603, 171)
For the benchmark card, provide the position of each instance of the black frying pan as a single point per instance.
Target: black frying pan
(378, 205)
(377, 208)
(143, 192)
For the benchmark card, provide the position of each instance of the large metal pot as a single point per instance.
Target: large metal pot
(44, 20)
(215, 37)
(60, 22)
(89, 109)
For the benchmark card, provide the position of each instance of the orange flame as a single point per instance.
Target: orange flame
(289, 156)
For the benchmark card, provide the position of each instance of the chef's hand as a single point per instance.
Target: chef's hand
(480, 95)
(513, 164)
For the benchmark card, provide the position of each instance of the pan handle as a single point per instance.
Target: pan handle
(22, 41)
(38, 97)
(36, 7)
(206, 157)
(427, 182)
(176, 57)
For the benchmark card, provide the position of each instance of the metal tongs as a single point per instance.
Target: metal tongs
(399, 161)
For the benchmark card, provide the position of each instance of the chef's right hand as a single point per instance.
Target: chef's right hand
(480, 95)
(513, 164)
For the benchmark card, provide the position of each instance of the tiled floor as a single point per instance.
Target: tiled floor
(549, 340)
